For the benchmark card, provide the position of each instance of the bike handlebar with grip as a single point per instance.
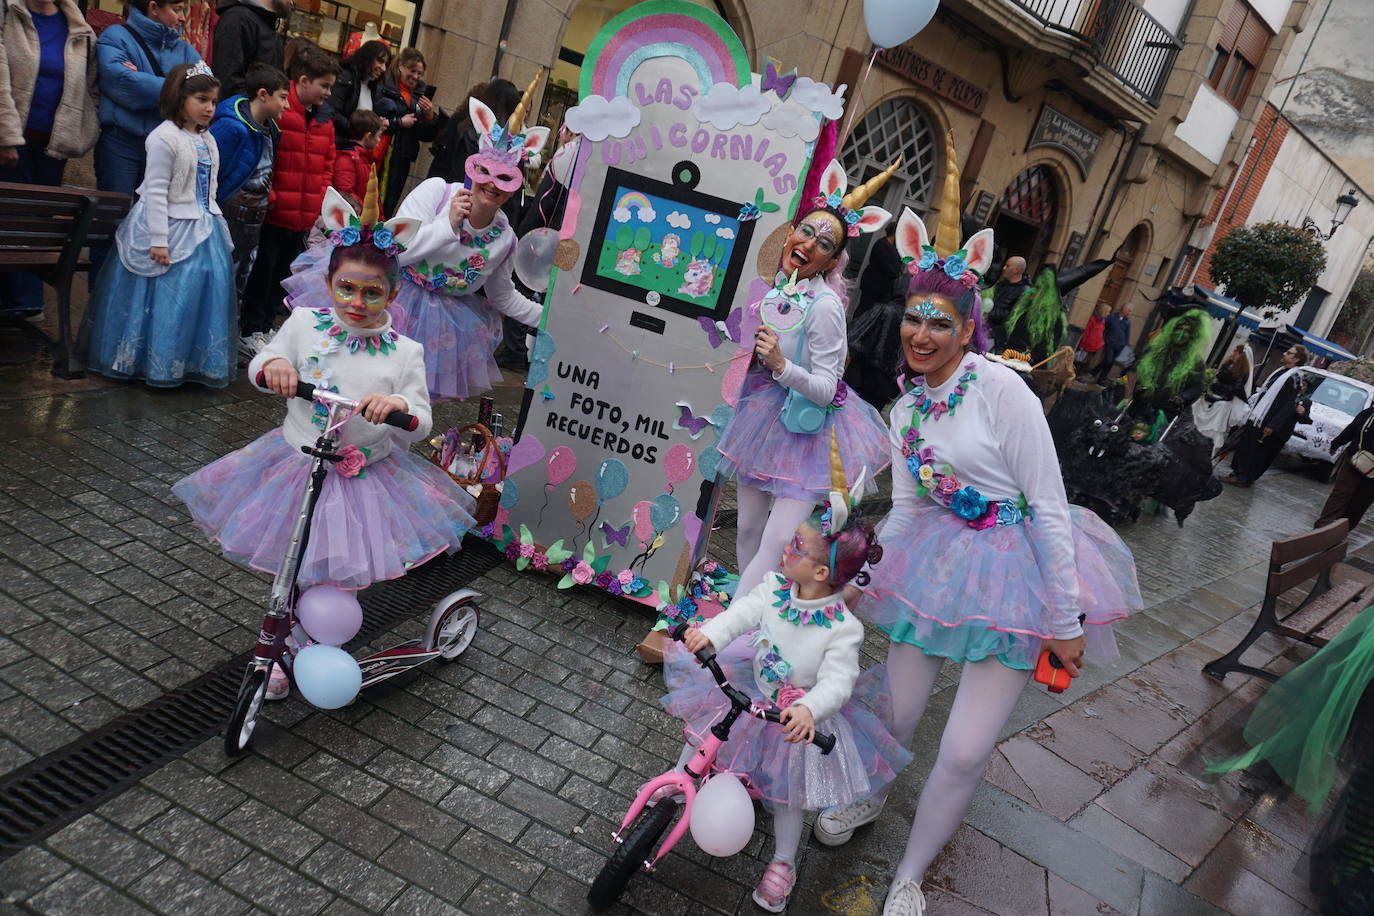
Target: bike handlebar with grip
(707, 657)
(306, 392)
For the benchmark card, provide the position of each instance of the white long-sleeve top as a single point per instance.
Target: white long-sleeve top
(817, 373)
(436, 248)
(322, 359)
(168, 190)
(998, 442)
(824, 660)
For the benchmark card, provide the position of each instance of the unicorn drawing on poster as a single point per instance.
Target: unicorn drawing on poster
(668, 250)
(628, 262)
(697, 280)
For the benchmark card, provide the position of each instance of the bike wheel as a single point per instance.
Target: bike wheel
(238, 732)
(629, 857)
(454, 630)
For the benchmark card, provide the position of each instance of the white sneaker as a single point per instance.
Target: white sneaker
(834, 826)
(904, 898)
(247, 348)
(260, 340)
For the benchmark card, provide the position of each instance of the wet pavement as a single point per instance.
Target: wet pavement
(490, 785)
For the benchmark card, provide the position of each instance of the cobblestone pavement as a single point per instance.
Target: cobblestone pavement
(490, 785)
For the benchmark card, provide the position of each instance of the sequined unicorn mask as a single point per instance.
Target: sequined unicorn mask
(502, 152)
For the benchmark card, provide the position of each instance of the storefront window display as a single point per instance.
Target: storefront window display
(341, 27)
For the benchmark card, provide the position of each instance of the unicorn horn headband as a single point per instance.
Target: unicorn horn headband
(849, 207)
(517, 117)
(860, 195)
(370, 209)
(840, 502)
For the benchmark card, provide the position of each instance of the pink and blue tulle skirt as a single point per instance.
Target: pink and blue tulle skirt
(866, 756)
(307, 286)
(402, 512)
(968, 594)
(758, 451)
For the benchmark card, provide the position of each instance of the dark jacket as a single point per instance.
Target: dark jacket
(343, 99)
(1005, 293)
(304, 168)
(240, 140)
(884, 267)
(1283, 413)
(244, 34)
(128, 98)
(389, 103)
(1117, 334)
(457, 141)
(1352, 433)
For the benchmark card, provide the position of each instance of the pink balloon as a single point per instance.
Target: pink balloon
(678, 463)
(560, 464)
(644, 526)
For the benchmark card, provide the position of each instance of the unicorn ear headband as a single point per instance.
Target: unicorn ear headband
(843, 499)
(849, 207)
(343, 226)
(966, 265)
(502, 151)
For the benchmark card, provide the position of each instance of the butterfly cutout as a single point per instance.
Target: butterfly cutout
(612, 534)
(717, 332)
(781, 83)
(689, 421)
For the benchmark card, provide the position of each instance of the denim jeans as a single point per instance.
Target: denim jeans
(23, 292)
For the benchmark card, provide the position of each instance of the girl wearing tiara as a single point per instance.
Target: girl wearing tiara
(777, 445)
(457, 270)
(987, 565)
(163, 311)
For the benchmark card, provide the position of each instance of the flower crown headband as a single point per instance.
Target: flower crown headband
(850, 209)
(966, 265)
(343, 226)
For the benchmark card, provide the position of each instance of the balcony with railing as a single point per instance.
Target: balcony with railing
(1118, 36)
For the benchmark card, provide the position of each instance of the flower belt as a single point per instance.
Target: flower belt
(449, 282)
(964, 501)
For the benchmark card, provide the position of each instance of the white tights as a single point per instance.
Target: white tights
(762, 532)
(787, 832)
(987, 693)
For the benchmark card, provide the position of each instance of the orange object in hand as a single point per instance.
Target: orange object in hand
(1050, 671)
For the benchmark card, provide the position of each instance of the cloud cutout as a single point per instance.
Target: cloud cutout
(725, 232)
(679, 220)
(597, 118)
(727, 106)
(815, 96)
(647, 215)
(621, 214)
(793, 120)
(712, 218)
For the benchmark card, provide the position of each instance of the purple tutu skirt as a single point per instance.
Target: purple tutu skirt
(967, 595)
(458, 333)
(758, 451)
(402, 512)
(866, 756)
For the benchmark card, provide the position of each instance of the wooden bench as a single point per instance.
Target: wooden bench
(44, 230)
(1318, 617)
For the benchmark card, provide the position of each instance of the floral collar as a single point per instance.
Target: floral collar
(339, 336)
(475, 238)
(926, 406)
(799, 616)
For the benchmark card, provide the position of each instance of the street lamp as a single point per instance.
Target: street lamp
(1344, 204)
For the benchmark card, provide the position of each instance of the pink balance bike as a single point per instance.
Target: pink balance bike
(452, 622)
(644, 823)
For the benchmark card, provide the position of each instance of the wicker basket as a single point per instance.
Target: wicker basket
(490, 498)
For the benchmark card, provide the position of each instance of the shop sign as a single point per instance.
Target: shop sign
(1059, 131)
(905, 62)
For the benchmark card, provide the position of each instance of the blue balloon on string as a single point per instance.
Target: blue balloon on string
(708, 462)
(510, 494)
(664, 511)
(612, 478)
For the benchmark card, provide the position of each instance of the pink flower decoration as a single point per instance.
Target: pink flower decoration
(582, 573)
(527, 550)
(626, 577)
(986, 520)
(540, 560)
(351, 461)
(969, 279)
(476, 260)
(948, 486)
(336, 331)
(789, 695)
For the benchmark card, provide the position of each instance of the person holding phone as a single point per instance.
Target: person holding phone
(407, 103)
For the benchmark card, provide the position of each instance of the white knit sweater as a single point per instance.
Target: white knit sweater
(169, 178)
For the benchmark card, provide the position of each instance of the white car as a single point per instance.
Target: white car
(1335, 401)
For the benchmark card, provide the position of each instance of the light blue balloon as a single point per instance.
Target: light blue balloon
(510, 494)
(892, 22)
(611, 479)
(327, 676)
(708, 462)
(544, 348)
(721, 417)
(664, 511)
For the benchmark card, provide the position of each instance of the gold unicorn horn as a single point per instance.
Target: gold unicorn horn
(371, 212)
(838, 481)
(860, 195)
(517, 117)
(948, 232)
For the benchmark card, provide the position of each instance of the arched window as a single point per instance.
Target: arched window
(1024, 221)
(897, 127)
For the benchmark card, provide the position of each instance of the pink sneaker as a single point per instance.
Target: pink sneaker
(278, 684)
(775, 886)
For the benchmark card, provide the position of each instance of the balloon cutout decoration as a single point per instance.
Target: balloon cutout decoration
(665, 511)
(581, 500)
(678, 464)
(612, 478)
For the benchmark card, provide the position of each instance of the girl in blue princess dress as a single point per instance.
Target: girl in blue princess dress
(163, 311)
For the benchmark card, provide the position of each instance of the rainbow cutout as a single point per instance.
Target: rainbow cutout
(662, 28)
(633, 199)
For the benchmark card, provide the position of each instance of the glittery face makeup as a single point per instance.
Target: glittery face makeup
(927, 314)
(360, 296)
(813, 245)
(933, 336)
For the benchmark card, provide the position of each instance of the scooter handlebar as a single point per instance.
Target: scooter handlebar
(306, 392)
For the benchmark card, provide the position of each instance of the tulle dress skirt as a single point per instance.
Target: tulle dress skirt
(402, 512)
(866, 756)
(967, 594)
(166, 324)
(759, 451)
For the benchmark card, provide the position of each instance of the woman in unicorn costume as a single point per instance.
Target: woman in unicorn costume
(456, 272)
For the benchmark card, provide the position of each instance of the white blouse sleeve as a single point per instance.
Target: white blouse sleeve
(1026, 445)
(826, 346)
(427, 204)
(836, 676)
(743, 614)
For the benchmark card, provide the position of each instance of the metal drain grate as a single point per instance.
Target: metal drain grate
(50, 792)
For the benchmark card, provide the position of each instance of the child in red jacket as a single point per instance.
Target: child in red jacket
(304, 168)
(353, 161)
(1091, 342)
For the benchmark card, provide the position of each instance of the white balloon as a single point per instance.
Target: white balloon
(891, 22)
(534, 257)
(722, 818)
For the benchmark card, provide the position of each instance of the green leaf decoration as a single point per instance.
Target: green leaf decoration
(589, 551)
(758, 198)
(566, 581)
(557, 553)
(600, 563)
(769, 207)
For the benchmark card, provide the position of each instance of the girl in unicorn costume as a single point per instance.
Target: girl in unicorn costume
(987, 563)
(456, 272)
(776, 446)
(793, 643)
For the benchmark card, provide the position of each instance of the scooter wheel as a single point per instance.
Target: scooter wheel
(455, 628)
(630, 856)
(238, 732)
